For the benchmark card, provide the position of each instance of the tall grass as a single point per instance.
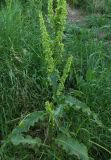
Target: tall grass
(20, 56)
(91, 73)
(92, 6)
(22, 81)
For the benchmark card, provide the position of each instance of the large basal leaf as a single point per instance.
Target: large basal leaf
(75, 103)
(72, 102)
(73, 147)
(20, 139)
(29, 121)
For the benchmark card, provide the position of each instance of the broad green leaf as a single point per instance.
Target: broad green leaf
(74, 101)
(58, 112)
(29, 121)
(20, 139)
(77, 104)
(73, 147)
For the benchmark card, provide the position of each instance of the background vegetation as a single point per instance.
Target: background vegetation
(55, 81)
(92, 6)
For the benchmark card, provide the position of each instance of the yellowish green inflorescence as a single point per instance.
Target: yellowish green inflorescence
(47, 52)
(53, 54)
(64, 76)
(50, 11)
(59, 23)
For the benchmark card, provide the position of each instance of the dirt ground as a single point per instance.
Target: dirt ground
(75, 14)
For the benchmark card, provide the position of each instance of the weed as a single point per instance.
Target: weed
(53, 82)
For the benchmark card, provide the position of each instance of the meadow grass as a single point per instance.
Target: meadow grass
(90, 46)
(92, 6)
(20, 56)
(21, 82)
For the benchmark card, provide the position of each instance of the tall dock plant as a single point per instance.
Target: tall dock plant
(53, 47)
(55, 115)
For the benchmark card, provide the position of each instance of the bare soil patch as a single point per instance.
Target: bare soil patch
(75, 15)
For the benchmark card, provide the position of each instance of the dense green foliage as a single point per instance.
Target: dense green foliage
(92, 6)
(55, 82)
